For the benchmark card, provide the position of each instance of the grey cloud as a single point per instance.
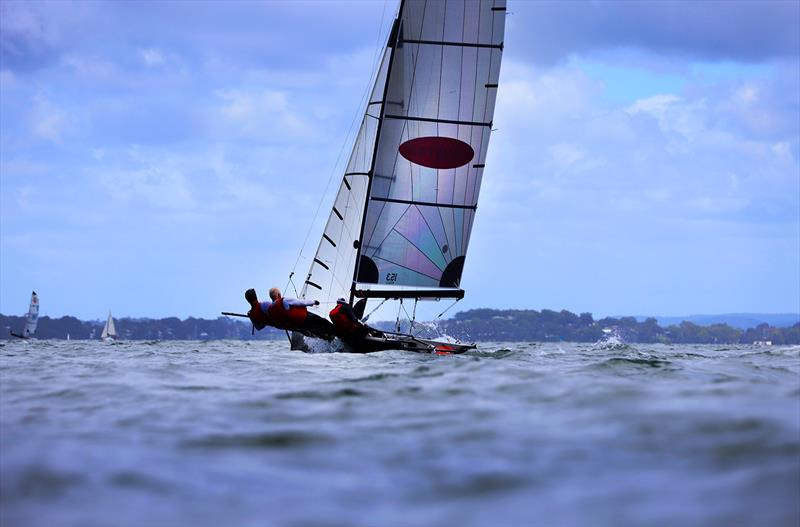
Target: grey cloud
(742, 31)
(242, 34)
(23, 42)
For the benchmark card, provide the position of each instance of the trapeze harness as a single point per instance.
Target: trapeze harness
(287, 318)
(259, 319)
(342, 322)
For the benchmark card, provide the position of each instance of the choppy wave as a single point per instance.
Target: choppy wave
(240, 433)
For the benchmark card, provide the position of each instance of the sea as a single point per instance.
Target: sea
(249, 433)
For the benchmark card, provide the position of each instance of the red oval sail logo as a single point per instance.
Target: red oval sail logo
(437, 152)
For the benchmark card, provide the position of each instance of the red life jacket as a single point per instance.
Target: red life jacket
(342, 322)
(259, 319)
(287, 318)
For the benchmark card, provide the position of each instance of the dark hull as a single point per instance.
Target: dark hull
(409, 343)
(390, 341)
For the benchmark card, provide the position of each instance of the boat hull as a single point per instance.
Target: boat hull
(390, 341)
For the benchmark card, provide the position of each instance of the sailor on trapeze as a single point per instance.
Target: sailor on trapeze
(287, 313)
(348, 328)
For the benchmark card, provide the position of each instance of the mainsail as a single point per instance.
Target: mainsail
(109, 330)
(32, 319)
(401, 221)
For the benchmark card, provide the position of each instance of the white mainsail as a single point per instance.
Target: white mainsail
(109, 330)
(402, 218)
(32, 319)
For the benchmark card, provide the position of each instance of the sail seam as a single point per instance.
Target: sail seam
(406, 267)
(430, 229)
(417, 247)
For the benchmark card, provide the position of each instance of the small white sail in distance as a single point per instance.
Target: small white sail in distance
(109, 330)
(32, 319)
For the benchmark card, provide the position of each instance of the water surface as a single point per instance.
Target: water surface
(250, 433)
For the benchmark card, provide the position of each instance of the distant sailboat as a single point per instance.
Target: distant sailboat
(109, 333)
(32, 319)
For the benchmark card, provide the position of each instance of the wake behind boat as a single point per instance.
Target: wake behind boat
(401, 221)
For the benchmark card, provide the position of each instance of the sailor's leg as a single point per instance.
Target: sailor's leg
(319, 325)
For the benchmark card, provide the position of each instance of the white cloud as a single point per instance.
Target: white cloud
(152, 57)
(7, 79)
(673, 157)
(48, 119)
(261, 114)
(673, 113)
(571, 159)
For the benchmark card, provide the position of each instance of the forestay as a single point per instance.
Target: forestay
(401, 222)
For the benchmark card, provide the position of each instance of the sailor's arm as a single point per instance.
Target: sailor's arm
(295, 302)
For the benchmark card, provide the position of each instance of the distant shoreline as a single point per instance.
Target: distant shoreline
(472, 325)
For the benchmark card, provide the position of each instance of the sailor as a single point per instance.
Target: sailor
(287, 313)
(258, 310)
(348, 327)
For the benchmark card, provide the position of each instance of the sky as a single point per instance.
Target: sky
(159, 158)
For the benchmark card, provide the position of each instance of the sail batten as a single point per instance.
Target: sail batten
(457, 44)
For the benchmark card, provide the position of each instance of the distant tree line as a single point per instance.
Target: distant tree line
(553, 326)
(473, 325)
(171, 328)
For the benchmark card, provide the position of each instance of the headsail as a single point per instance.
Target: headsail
(331, 273)
(402, 219)
(32, 320)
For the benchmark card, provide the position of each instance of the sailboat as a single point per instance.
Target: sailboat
(109, 333)
(400, 225)
(32, 319)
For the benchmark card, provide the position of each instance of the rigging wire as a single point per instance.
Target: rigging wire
(448, 309)
(413, 317)
(374, 310)
(397, 324)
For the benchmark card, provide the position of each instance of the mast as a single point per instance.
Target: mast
(394, 37)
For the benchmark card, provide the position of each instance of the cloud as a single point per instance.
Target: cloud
(151, 178)
(678, 156)
(152, 57)
(261, 114)
(23, 38)
(744, 31)
(674, 114)
(49, 121)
